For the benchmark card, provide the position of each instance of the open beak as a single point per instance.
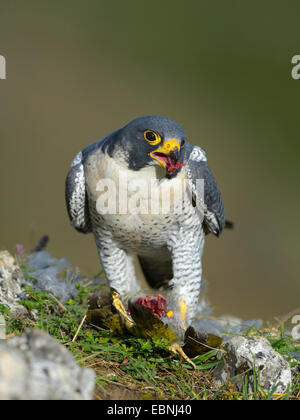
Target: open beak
(168, 155)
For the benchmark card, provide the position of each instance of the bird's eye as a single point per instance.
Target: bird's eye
(152, 137)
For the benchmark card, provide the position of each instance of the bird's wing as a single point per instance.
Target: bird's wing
(76, 196)
(213, 213)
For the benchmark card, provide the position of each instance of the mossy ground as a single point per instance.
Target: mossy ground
(131, 368)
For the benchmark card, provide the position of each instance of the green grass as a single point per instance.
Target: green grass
(133, 368)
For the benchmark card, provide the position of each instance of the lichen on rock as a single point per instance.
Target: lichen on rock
(253, 354)
(34, 366)
(11, 282)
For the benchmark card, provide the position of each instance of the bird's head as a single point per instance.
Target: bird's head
(149, 141)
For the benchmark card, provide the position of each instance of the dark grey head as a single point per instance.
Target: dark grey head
(148, 141)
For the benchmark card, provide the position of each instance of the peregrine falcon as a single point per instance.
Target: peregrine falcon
(151, 150)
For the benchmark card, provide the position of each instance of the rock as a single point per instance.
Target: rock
(2, 328)
(296, 374)
(243, 353)
(11, 282)
(34, 366)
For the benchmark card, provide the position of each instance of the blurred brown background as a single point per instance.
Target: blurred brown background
(77, 70)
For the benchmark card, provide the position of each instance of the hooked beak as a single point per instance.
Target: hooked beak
(168, 155)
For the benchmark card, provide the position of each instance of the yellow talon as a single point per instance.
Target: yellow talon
(120, 308)
(175, 348)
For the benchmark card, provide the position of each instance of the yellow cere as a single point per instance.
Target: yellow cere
(170, 145)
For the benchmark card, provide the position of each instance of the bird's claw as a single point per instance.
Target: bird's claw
(117, 303)
(174, 348)
(177, 349)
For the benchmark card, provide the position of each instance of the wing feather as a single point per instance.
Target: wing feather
(76, 196)
(213, 209)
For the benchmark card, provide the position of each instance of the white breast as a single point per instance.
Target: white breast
(145, 206)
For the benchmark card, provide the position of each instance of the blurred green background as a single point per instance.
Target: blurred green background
(77, 70)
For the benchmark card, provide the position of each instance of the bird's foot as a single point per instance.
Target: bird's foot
(117, 303)
(177, 349)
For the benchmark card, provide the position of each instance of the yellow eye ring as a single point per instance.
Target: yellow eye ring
(151, 137)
